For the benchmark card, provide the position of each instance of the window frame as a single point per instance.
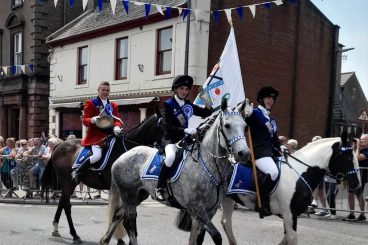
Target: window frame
(79, 65)
(16, 3)
(118, 60)
(17, 55)
(159, 52)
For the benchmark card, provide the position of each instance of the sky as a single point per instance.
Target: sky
(352, 17)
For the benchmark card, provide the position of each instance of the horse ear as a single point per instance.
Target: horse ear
(344, 137)
(224, 104)
(240, 107)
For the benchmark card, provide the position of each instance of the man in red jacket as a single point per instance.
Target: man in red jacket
(94, 109)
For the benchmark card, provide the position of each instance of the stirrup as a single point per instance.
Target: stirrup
(160, 194)
(76, 177)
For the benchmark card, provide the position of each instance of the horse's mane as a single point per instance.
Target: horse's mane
(321, 141)
(146, 120)
(207, 124)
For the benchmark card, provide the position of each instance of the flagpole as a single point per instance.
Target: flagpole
(186, 61)
(254, 167)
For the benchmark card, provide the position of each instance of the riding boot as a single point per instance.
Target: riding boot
(265, 189)
(77, 173)
(161, 183)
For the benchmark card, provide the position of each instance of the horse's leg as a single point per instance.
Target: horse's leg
(68, 213)
(193, 233)
(226, 219)
(116, 219)
(290, 223)
(204, 221)
(55, 223)
(200, 235)
(284, 239)
(130, 221)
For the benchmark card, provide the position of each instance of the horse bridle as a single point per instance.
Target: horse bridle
(229, 142)
(337, 176)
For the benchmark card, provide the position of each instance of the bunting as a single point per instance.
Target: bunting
(13, 70)
(184, 12)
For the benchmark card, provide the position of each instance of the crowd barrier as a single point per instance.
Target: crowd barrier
(16, 184)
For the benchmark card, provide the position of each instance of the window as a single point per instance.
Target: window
(17, 48)
(82, 65)
(354, 93)
(16, 3)
(164, 50)
(122, 59)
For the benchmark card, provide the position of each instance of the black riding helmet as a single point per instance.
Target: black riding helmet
(266, 92)
(182, 80)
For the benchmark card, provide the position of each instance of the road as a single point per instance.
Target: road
(31, 224)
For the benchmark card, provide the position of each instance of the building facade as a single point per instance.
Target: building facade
(138, 56)
(24, 73)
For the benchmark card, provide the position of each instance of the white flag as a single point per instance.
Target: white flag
(5, 69)
(23, 68)
(113, 6)
(253, 10)
(225, 80)
(159, 9)
(85, 4)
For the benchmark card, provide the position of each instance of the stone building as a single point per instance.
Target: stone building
(24, 76)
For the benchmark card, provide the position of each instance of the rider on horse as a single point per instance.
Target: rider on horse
(265, 141)
(101, 117)
(175, 118)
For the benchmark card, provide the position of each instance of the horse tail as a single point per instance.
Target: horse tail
(114, 204)
(183, 220)
(46, 179)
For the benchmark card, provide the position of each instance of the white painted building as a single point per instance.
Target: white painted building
(138, 57)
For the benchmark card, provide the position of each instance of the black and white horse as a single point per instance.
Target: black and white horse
(300, 175)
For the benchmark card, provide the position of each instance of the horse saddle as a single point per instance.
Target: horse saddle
(154, 166)
(241, 179)
(86, 152)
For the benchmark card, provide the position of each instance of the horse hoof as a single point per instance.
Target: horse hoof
(56, 234)
(121, 242)
(77, 240)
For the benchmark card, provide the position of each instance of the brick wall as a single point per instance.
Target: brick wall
(291, 48)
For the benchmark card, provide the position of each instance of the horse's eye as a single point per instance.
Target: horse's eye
(227, 125)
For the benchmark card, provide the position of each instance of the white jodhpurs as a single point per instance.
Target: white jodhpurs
(268, 166)
(170, 152)
(96, 154)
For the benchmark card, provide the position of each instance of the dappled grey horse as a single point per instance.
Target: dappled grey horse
(201, 184)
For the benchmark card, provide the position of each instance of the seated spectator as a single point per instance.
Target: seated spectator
(7, 154)
(71, 137)
(36, 153)
(292, 145)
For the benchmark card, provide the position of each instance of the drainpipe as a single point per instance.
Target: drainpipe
(334, 73)
(186, 57)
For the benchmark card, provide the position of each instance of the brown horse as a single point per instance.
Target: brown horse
(147, 133)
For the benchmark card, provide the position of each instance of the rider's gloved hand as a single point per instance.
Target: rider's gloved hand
(117, 130)
(284, 149)
(248, 109)
(94, 119)
(190, 131)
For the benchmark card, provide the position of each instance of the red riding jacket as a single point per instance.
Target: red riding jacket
(95, 135)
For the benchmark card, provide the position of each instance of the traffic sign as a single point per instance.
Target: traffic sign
(363, 115)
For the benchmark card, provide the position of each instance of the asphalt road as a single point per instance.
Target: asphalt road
(31, 224)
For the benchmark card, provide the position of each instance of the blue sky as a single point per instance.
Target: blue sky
(352, 17)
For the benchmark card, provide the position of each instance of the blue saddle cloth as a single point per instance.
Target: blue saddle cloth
(242, 179)
(154, 166)
(87, 152)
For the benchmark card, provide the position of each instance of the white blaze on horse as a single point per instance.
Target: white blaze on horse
(299, 177)
(199, 188)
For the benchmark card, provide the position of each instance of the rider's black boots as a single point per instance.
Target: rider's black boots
(265, 189)
(77, 173)
(162, 178)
